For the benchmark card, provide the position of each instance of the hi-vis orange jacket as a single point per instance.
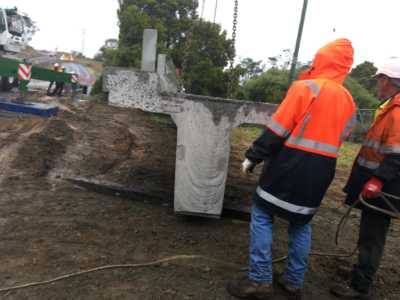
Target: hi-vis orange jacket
(302, 139)
(380, 155)
(383, 137)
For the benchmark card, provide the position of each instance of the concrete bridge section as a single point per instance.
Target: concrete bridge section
(204, 129)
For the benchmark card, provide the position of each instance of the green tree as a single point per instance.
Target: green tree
(361, 95)
(250, 68)
(171, 18)
(269, 87)
(200, 48)
(364, 74)
(206, 55)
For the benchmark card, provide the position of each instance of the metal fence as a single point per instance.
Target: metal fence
(365, 117)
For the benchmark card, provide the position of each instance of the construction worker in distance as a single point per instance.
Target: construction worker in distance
(299, 148)
(56, 67)
(376, 169)
(59, 84)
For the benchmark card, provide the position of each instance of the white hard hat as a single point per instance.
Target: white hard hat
(390, 68)
(56, 65)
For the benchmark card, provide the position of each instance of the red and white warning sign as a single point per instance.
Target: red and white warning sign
(24, 72)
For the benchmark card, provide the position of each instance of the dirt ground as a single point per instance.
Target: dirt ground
(50, 226)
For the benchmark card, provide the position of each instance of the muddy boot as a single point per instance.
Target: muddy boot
(292, 292)
(248, 289)
(345, 291)
(344, 272)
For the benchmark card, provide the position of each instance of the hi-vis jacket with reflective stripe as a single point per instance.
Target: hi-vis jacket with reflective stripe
(380, 154)
(302, 139)
(383, 137)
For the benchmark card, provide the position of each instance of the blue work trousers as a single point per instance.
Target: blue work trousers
(260, 266)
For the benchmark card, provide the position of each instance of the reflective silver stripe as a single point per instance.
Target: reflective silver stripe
(276, 127)
(349, 126)
(300, 141)
(305, 122)
(390, 149)
(303, 210)
(369, 164)
(313, 86)
(375, 145)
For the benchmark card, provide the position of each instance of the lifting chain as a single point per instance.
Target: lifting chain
(232, 83)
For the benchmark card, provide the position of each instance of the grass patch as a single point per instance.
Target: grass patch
(161, 119)
(246, 134)
(347, 154)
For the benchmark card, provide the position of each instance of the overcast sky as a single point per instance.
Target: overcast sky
(265, 27)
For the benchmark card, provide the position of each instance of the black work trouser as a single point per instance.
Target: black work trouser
(59, 88)
(371, 242)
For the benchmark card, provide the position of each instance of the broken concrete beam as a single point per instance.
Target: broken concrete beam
(161, 64)
(203, 149)
(136, 89)
(204, 128)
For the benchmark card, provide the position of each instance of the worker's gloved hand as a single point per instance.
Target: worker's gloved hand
(248, 166)
(372, 188)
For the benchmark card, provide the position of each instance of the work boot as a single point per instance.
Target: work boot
(293, 293)
(346, 291)
(344, 272)
(248, 289)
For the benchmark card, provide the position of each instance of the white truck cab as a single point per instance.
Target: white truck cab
(16, 30)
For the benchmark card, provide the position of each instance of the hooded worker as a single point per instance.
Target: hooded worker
(299, 146)
(376, 170)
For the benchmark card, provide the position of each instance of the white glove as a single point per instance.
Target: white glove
(248, 166)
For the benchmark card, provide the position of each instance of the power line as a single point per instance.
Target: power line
(215, 10)
(202, 9)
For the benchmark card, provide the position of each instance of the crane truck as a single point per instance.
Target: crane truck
(16, 31)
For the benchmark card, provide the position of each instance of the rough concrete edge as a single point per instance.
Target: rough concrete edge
(166, 84)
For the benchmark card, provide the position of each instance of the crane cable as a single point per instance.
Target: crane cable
(202, 9)
(186, 47)
(215, 10)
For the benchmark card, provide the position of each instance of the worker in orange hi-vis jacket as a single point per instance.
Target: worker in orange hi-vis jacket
(376, 170)
(299, 146)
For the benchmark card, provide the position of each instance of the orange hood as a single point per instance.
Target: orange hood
(333, 61)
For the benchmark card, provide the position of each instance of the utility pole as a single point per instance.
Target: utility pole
(83, 40)
(215, 10)
(299, 34)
